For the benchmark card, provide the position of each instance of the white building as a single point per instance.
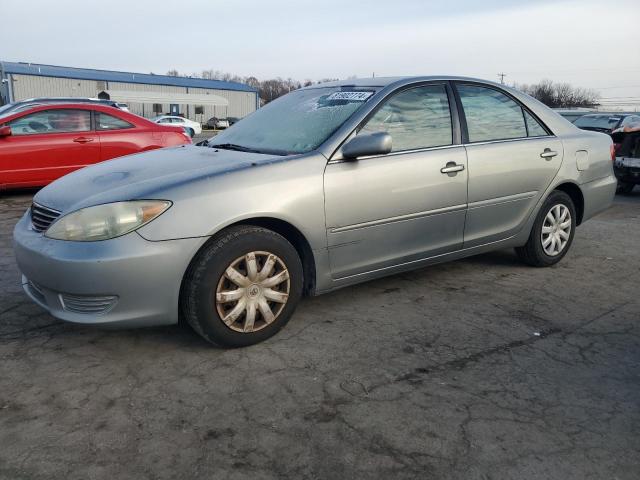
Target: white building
(146, 94)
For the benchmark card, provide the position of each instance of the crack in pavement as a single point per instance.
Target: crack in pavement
(461, 363)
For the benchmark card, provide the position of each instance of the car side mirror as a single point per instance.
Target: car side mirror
(378, 143)
(5, 131)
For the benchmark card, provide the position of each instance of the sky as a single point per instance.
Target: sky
(590, 44)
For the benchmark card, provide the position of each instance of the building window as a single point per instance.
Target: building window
(157, 108)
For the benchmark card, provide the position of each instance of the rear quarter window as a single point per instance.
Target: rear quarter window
(105, 121)
(534, 128)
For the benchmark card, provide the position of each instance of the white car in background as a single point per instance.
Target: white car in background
(191, 127)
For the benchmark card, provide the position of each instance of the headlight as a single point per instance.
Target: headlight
(103, 222)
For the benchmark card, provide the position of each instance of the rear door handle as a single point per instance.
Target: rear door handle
(452, 167)
(83, 140)
(548, 154)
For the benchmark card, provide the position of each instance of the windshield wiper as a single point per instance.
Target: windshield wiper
(233, 146)
(240, 148)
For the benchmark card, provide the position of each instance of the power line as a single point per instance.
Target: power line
(622, 86)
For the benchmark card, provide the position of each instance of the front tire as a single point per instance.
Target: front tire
(552, 233)
(242, 287)
(191, 132)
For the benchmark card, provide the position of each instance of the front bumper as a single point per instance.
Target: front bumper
(126, 281)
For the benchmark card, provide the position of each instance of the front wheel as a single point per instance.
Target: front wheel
(552, 232)
(242, 287)
(191, 132)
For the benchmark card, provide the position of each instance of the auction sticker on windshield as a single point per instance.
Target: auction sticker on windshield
(353, 96)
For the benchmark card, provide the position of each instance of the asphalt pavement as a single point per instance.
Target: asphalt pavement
(477, 369)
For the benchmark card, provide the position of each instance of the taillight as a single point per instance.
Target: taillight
(612, 149)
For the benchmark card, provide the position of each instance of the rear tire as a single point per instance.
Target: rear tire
(191, 132)
(552, 233)
(242, 287)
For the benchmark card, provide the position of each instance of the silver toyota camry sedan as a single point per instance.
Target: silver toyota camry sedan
(326, 187)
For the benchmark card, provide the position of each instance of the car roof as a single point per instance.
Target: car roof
(80, 106)
(66, 99)
(386, 81)
(607, 114)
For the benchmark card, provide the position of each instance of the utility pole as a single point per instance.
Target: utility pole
(502, 75)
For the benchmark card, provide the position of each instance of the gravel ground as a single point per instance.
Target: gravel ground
(476, 369)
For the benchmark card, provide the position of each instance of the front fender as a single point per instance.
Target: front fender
(291, 191)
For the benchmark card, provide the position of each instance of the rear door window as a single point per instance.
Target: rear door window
(490, 114)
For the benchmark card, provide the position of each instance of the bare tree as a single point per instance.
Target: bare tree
(173, 73)
(561, 95)
(326, 80)
(252, 82)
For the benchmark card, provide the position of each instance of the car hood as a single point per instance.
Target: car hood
(145, 175)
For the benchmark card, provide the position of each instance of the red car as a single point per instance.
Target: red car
(46, 142)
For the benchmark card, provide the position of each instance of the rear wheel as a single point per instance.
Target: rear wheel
(190, 132)
(242, 287)
(552, 232)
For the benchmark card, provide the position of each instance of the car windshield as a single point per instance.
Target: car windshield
(597, 121)
(298, 122)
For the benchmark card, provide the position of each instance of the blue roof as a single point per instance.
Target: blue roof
(111, 76)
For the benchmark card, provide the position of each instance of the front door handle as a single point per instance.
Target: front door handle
(452, 168)
(83, 140)
(548, 154)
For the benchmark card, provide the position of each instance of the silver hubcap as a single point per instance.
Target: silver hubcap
(556, 230)
(252, 292)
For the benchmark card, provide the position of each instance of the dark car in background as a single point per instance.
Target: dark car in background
(627, 151)
(627, 163)
(216, 123)
(572, 114)
(606, 122)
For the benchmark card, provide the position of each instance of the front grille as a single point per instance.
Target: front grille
(87, 304)
(42, 217)
(36, 291)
